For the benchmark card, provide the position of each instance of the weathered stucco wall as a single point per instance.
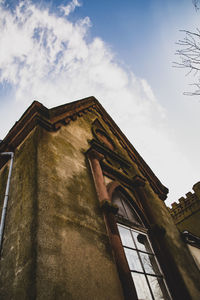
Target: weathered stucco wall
(190, 223)
(17, 265)
(55, 242)
(74, 256)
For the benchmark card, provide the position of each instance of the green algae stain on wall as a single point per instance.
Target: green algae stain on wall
(18, 255)
(72, 240)
(56, 245)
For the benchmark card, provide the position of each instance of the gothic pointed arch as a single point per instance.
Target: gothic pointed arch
(146, 273)
(129, 210)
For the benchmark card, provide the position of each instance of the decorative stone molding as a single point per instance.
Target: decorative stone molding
(53, 119)
(109, 207)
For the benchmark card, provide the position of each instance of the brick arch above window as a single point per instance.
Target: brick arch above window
(129, 200)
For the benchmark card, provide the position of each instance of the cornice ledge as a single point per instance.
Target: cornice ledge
(36, 114)
(92, 153)
(146, 171)
(72, 110)
(138, 181)
(106, 151)
(50, 119)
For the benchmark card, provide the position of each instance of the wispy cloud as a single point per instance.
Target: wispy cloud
(69, 8)
(47, 57)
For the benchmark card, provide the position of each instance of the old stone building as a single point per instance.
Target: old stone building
(186, 213)
(186, 216)
(86, 217)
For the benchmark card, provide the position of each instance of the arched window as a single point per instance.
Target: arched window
(146, 273)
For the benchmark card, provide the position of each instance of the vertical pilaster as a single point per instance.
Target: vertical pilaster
(109, 212)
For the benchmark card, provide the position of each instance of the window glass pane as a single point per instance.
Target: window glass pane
(141, 241)
(126, 237)
(121, 211)
(132, 216)
(149, 263)
(141, 286)
(156, 285)
(125, 209)
(133, 260)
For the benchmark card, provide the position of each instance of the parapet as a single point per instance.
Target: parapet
(186, 206)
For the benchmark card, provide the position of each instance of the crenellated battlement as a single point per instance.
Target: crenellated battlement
(186, 206)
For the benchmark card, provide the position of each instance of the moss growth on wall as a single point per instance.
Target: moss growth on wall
(17, 272)
(72, 240)
(56, 244)
(190, 223)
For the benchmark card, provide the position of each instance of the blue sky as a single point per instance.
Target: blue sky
(122, 53)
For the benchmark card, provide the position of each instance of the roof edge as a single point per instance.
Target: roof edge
(52, 119)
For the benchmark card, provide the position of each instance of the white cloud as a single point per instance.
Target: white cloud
(48, 58)
(69, 8)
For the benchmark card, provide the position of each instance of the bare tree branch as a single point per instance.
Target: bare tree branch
(189, 54)
(196, 4)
